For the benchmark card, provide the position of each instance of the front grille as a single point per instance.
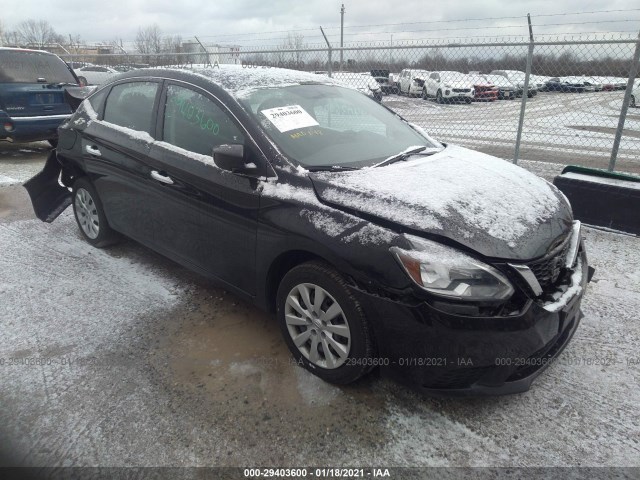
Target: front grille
(549, 269)
(460, 90)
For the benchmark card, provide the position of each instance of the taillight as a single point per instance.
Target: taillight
(8, 126)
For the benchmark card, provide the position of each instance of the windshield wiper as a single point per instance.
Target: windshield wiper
(331, 168)
(401, 156)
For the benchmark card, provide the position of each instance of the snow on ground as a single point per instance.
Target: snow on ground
(4, 180)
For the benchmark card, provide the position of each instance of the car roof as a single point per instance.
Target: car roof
(31, 50)
(236, 80)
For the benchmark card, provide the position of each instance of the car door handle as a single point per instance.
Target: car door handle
(93, 150)
(161, 178)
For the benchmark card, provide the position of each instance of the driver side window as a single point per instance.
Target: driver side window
(195, 123)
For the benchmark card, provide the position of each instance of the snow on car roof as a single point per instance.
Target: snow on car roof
(240, 81)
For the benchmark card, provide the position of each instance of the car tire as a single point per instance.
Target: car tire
(332, 337)
(90, 216)
(424, 94)
(467, 100)
(53, 142)
(439, 98)
(632, 101)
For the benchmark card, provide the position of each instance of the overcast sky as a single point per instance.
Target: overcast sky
(218, 20)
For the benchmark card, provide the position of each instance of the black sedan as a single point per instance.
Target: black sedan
(375, 245)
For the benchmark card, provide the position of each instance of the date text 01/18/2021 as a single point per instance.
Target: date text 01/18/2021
(316, 472)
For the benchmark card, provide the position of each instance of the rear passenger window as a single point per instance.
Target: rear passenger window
(131, 105)
(195, 123)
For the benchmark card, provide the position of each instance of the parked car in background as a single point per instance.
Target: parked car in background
(411, 82)
(570, 85)
(383, 77)
(592, 81)
(506, 89)
(95, 74)
(363, 82)
(372, 243)
(611, 83)
(517, 78)
(447, 86)
(540, 82)
(483, 89)
(32, 94)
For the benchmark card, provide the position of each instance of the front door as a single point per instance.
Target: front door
(206, 217)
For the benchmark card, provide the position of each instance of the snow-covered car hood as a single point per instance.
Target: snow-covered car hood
(467, 85)
(487, 204)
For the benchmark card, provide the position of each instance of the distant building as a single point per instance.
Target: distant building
(213, 54)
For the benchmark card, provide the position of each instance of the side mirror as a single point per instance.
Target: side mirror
(230, 157)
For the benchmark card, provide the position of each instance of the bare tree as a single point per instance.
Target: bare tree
(37, 33)
(1, 34)
(172, 44)
(149, 39)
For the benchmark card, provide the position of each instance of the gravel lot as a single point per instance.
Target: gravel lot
(143, 363)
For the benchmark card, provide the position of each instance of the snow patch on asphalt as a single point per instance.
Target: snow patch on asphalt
(428, 438)
(58, 277)
(6, 181)
(313, 390)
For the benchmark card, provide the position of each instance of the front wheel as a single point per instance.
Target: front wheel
(323, 325)
(424, 94)
(439, 98)
(90, 216)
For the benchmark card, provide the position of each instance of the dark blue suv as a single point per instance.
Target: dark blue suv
(32, 95)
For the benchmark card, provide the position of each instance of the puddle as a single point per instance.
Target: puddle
(225, 363)
(240, 352)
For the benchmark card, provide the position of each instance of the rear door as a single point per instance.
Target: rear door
(115, 150)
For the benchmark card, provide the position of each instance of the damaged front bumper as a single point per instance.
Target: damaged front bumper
(445, 353)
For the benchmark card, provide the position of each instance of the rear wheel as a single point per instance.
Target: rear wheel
(90, 216)
(323, 324)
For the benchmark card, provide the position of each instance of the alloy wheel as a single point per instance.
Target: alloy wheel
(87, 213)
(317, 325)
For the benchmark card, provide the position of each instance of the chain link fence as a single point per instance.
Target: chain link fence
(544, 102)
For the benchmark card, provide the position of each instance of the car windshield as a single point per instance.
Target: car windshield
(20, 66)
(325, 125)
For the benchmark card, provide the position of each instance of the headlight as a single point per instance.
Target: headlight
(450, 273)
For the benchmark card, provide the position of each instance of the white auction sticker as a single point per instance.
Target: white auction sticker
(290, 117)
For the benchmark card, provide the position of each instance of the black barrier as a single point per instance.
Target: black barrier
(602, 198)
